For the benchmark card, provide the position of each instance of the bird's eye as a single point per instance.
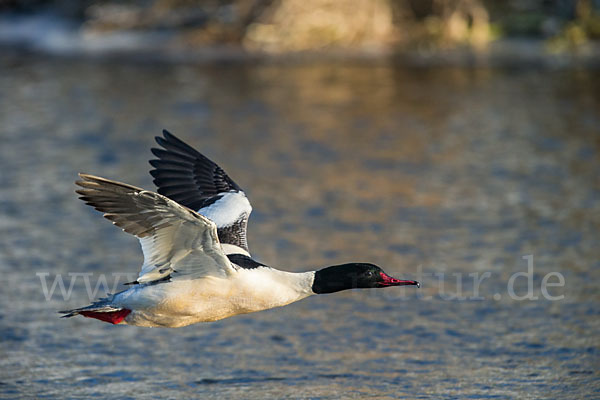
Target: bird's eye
(369, 274)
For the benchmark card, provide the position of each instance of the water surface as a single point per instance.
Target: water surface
(434, 174)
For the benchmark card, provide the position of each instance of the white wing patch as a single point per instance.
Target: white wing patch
(229, 209)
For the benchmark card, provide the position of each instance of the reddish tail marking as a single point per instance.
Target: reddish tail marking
(114, 317)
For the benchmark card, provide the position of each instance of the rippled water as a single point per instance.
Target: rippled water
(432, 174)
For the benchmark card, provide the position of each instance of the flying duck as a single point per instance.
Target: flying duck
(197, 265)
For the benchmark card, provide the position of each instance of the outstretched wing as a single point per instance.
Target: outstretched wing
(189, 178)
(176, 241)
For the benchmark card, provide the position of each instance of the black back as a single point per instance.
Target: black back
(244, 261)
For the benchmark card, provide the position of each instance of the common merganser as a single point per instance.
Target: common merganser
(197, 266)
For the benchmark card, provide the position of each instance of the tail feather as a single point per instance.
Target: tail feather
(77, 311)
(107, 314)
(102, 305)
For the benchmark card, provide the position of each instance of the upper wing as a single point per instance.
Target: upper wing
(175, 240)
(186, 176)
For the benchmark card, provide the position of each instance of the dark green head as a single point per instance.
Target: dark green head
(354, 276)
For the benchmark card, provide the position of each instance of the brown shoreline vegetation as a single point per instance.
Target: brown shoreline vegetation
(420, 31)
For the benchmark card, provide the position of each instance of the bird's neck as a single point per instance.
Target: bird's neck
(277, 287)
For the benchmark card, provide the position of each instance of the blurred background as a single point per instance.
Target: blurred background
(443, 140)
(230, 29)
